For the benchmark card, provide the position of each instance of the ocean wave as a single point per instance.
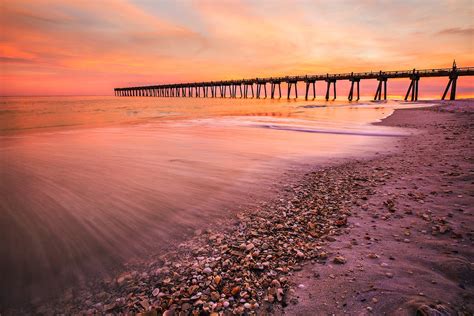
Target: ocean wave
(327, 131)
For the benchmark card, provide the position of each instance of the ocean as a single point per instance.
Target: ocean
(89, 184)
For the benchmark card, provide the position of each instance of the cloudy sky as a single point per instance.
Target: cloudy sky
(89, 47)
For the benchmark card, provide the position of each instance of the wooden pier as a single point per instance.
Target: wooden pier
(244, 88)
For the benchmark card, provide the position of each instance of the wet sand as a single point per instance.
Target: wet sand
(390, 234)
(408, 245)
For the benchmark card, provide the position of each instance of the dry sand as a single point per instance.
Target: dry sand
(409, 241)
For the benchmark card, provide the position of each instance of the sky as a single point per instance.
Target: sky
(75, 47)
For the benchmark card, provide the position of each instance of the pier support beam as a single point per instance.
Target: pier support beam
(273, 88)
(382, 86)
(351, 91)
(308, 84)
(290, 84)
(453, 78)
(234, 90)
(452, 83)
(246, 86)
(222, 88)
(413, 87)
(328, 88)
(259, 89)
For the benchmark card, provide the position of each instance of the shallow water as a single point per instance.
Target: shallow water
(89, 183)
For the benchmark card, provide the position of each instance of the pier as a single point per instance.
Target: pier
(257, 87)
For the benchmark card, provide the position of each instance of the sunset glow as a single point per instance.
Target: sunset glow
(89, 47)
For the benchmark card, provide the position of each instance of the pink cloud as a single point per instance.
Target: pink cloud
(82, 47)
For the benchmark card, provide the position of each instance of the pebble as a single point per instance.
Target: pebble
(215, 296)
(279, 294)
(339, 260)
(235, 290)
(276, 284)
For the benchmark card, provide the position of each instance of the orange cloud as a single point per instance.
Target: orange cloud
(89, 47)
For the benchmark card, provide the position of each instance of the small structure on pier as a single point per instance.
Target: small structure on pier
(246, 86)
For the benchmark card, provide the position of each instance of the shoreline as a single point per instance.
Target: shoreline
(408, 244)
(231, 271)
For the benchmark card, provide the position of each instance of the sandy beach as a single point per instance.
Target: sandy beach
(408, 244)
(382, 235)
